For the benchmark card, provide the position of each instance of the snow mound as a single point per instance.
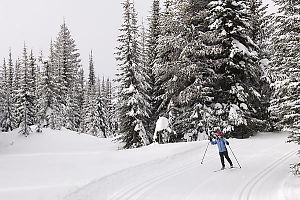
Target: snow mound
(52, 141)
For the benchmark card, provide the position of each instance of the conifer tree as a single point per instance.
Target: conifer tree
(239, 72)
(153, 33)
(3, 98)
(94, 120)
(169, 71)
(80, 98)
(88, 115)
(193, 109)
(32, 82)
(25, 100)
(71, 110)
(92, 77)
(16, 88)
(147, 71)
(10, 75)
(3, 83)
(149, 50)
(45, 93)
(67, 62)
(285, 68)
(38, 93)
(134, 108)
(7, 118)
(103, 90)
(10, 100)
(109, 109)
(285, 71)
(95, 116)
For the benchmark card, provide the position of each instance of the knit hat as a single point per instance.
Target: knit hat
(219, 133)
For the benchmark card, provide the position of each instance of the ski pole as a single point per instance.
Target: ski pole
(234, 156)
(205, 152)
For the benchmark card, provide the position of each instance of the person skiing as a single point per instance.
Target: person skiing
(221, 142)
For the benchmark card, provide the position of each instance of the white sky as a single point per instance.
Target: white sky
(93, 24)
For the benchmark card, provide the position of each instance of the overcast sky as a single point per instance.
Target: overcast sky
(93, 24)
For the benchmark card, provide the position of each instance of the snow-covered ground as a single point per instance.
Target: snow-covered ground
(57, 165)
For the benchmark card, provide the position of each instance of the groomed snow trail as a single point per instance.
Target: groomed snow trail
(264, 175)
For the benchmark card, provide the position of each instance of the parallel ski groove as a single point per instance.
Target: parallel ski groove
(247, 190)
(134, 192)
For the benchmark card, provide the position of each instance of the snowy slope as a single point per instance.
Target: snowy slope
(50, 165)
(264, 175)
(65, 165)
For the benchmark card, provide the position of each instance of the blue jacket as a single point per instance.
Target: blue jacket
(221, 144)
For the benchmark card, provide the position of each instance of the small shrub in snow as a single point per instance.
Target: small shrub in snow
(295, 169)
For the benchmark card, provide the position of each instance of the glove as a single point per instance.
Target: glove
(227, 142)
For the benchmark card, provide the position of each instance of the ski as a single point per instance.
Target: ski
(226, 169)
(219, 170)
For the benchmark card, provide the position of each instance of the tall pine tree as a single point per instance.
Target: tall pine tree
(66, 66)
(134, 108)
(285, 71)
(7, 118)
(25, 101)
(238, 83)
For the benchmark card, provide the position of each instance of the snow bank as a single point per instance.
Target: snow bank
(52, 164)
(53, 141)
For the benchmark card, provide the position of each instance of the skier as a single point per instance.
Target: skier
(221, 142)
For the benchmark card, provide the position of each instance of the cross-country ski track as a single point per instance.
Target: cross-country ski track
(264, 175)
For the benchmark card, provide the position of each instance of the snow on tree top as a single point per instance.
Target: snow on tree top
(162, 124)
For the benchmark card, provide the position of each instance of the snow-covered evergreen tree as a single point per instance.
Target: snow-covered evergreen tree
(110, 130)
(153, 33)
(192, 110)
(134, 108)
(166, 66)
(32, 82)
(147, 69)
(10, 74)
(66, 65)
(45, 91)
(80, 98)
(285, 71)
(3, 98)
(67, 62)
(174, 68)
(92, 77)
(238, 83)
(149, 42)
(285, 68)
(91, 117)
(25, 99)
(262, 28)
(95, 117)
(16, 87)
(24, 126)
(3, 83)
(71, 114)
(7, 117)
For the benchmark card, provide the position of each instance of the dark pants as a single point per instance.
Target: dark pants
(222, 155)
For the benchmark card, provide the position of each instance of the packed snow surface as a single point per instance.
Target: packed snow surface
(63, 165)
